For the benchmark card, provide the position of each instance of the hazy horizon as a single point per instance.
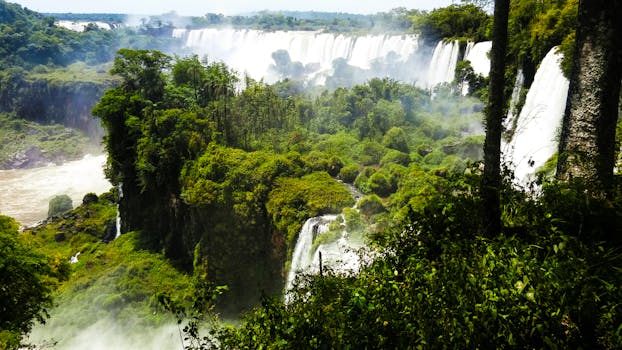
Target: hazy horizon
(230, 7)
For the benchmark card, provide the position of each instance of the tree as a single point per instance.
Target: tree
(491, 179)
(24, 291)
(587, 143)
(468, 21)
(142, 71)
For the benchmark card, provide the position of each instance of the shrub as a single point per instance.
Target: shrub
(353, 220)
(59, 204)
(370, 205)
(371, 152)
(334, 166)
(349, 173)
(396, 139)
(395, 157)
(361, 181)
(90, 198)
(380, 184)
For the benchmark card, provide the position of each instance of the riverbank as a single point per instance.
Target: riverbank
(26, 192)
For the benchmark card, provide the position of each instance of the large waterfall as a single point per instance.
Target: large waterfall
(316, 54)
(477, 54)
(443, 64)
(537, 128)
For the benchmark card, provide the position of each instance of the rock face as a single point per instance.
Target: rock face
(30, 158)
(33, 157)
(587, 143)
(53, 102)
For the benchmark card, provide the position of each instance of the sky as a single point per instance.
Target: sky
(227, 7)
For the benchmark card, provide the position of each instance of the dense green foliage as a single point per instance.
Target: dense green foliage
(549, 281)
(116, 282)
(236, 173)
(51, 75)
(219, 175)
(26, 280)
(395, 20)
(454, 21)
(537, 26)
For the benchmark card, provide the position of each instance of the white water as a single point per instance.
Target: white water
(516, 93)
(339, 255)
(79, 26)
(250, 51)
(74, 258)
(443, 64)
(536, 136)
(118, 219)
(478, 56)
(26, 193)
(118, 223)
(301, 258)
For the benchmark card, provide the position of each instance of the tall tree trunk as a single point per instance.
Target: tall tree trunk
(491, 180)
(587, 142)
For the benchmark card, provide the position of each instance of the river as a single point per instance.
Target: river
(26, 193)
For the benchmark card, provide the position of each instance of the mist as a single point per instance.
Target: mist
(105, 334)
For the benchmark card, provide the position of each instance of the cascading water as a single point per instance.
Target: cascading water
(301, 258)
(80, 26)
(508, 123)
(478, 56)
(250, 51)
(535, 136)
(118, 219)
(340, 254)
(443, 64)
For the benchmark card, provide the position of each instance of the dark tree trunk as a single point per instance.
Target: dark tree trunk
(491, 180)
(587, 142)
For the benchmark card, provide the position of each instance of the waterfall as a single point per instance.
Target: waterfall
(118, 219)
(301, 258)
(535, 138)
(80, 26)
(508, 123)
(74, 258)
(443, 64)
(478, 56)
(467, 50)
(250, 51)
(118, 223)
(340, 254)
